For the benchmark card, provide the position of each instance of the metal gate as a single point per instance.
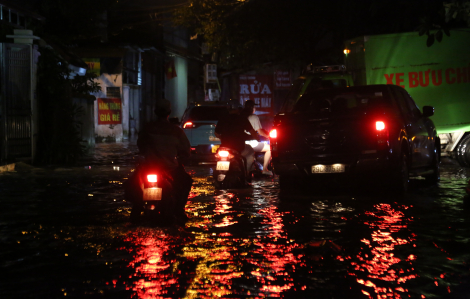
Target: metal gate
(15, 101)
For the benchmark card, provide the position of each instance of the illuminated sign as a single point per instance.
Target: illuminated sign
(109, 111)
(94, 65)
(259, 89)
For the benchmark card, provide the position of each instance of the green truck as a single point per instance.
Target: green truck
(437, 76)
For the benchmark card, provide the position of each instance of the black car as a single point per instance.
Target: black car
(356, 134)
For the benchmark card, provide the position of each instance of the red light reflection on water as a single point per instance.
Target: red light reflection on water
(226, 263)
(377, 261)
(220, 263)
(151, 263)
(276, 252)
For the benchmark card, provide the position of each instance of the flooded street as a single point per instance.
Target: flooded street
(65, 233)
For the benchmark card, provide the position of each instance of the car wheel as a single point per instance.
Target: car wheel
(286, 182)
(401, 178)
(463, 152)
(435, 177)
(217, 184)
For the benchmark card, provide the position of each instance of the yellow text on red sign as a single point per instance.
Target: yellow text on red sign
(109, 111)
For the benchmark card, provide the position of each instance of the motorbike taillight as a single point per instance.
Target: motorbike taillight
(224, 155)
(152, 178)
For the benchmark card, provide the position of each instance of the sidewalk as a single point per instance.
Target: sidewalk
(7, 167)
(102, 153)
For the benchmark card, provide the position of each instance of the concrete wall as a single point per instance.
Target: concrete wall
(108, 133)
(176, 89)
(87, 128)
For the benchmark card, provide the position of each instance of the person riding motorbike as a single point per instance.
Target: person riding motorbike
(166, 145)
(231, 131)
(258, 147)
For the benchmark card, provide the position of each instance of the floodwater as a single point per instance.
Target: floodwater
(65, 233)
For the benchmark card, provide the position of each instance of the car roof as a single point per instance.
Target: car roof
(206, 112)
(357, 88)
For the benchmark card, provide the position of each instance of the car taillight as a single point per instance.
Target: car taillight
(382, 135)
(379, 125)
(188, 125)
(273, 142)
(273, 134)
(152, 178)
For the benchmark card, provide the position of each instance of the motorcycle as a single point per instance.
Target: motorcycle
(257, 168)
(150, 190)
(230, 171)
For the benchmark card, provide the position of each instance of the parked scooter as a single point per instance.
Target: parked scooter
(150, 190)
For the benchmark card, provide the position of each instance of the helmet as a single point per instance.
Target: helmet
(163, 107)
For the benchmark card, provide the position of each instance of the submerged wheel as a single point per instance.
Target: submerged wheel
(287, 182)
(217, 184)
(463, 152)
(435, 177)
(401, 177)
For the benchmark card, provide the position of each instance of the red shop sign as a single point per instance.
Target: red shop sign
(109, 111)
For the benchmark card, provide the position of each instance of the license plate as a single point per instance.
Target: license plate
(215, 148)
(335, 168)
(223, 165)
(152, 194)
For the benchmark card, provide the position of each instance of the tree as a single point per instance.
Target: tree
(59, 138)
(248, 33)
(252, 32)
(433, 18)
(458, 11)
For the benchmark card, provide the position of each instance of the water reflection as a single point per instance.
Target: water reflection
(240, 246)
(153, 276)
(383, 259)
(216, 253)
(246, 243)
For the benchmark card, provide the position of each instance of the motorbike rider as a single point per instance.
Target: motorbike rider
(258, 147)
(231, 131)
(167, 146)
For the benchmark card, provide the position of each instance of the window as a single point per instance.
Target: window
(293, 95)
(113, 92)
(411, 104)
(405, 110)
(208, 113)
(347, 101)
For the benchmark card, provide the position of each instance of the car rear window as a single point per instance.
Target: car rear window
(208, 113)
(344, 101)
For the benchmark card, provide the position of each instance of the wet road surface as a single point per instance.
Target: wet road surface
(65, 233)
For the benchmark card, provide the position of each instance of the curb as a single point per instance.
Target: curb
(7, 167)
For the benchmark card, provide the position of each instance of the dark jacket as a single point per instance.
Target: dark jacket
(165, 143)
(232, 130)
